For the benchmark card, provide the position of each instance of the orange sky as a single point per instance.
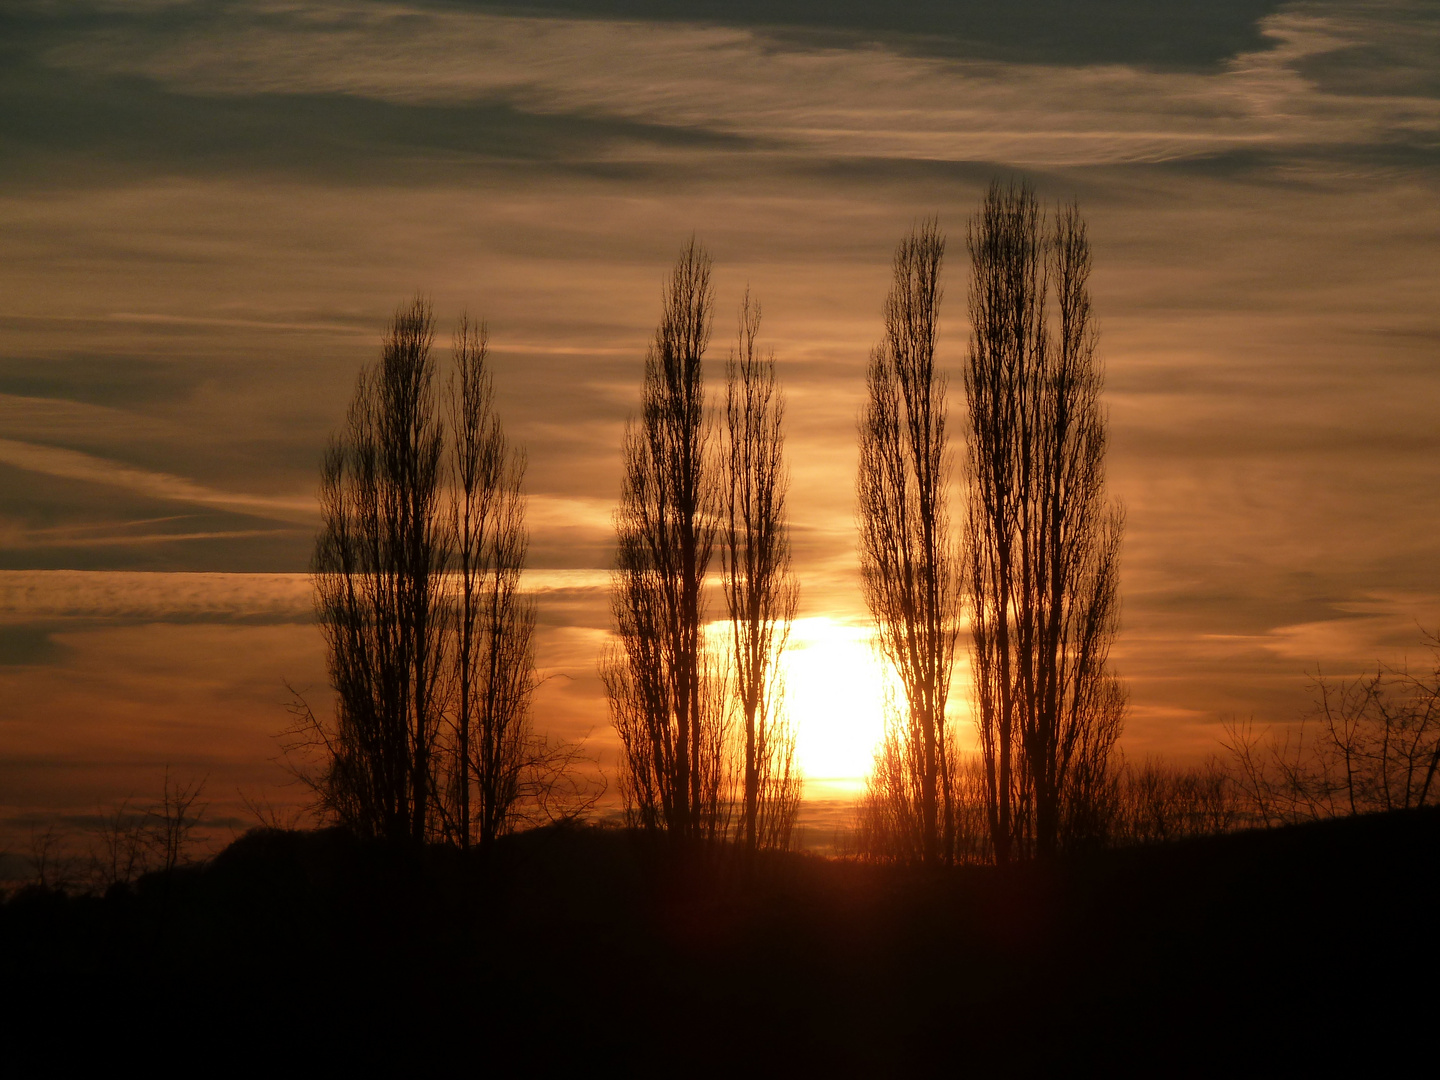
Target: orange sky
(208, 214)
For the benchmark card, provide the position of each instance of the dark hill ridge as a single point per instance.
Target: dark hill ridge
(589, 945)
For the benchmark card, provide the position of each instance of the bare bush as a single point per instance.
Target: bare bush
(890, 825)
(881, 835)
(283, 818)
(49, 867)
(1154, 802)
(1146, 803)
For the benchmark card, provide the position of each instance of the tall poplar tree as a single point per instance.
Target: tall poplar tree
(662, 686)
(1042, 537)
(379, 590)
(761, 592)
(908, 565)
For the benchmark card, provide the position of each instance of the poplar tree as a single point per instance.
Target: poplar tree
(493, 753)
(761, 592)
(379, 591)
(1042, 537)
(665, 696)
(908, 565)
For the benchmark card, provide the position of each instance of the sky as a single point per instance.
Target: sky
(209, 212)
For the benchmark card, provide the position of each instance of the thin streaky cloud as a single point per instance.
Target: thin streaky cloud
(841, 101)
(21, 540)
(157, 319)
(74, 465)
(43, 594)
(104, 526)
(49, 594)
(143, 318)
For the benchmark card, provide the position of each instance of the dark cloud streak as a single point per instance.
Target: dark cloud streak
(58, 128)
(1164, 34)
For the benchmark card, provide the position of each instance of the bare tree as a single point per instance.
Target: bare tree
(173, 819)
(128, 842)
(418, 589)
(47, 856)
(120, 850)
(495, 622)
(1369, 744)
(1379, 741)
(909, 570)
(760, 589)
(1042, 538)
(660, 676)
(379, 579)
(1080, 705)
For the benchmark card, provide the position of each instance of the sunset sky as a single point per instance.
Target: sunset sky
(209, 211)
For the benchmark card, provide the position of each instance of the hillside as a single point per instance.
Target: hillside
(587, 945)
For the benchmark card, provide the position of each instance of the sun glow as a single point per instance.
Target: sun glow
(835, 695)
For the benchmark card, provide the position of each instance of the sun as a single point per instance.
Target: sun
(835, 694)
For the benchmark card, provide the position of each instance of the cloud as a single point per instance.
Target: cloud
(834, 99)
(1380, 627)
(29, 645)
(1178, 33)
(74, 465)
(31, 596)
(135, 125)
(89, 537)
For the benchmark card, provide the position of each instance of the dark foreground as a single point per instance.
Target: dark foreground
(584, 949)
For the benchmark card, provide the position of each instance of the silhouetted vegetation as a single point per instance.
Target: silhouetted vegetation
(1370, 744)
(665, 690)
(429, 638)
(761, 592)
(701, 723)
(908, 565)
(379, 582)
(572, 946)
(1041, 537)
(1037, 568)
(1126, 904)
(1133, 804)
(502, 773)
(115, 845)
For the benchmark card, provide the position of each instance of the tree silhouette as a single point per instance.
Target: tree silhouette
(494, 622)
(1369, 744)
(1042, 539)
(173, 819)
(908, 567)
(665, 697)
(430, 636)
(379, 591)
(760, 590)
